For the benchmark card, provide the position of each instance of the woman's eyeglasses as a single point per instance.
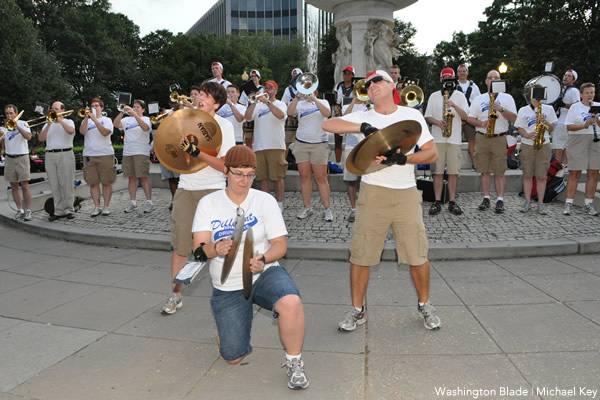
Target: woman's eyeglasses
(239, 175)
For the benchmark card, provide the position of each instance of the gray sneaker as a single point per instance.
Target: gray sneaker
(542, 209)
(148, 208)
(132, 207)
(19, 215)
(567, 210)
(430, 318)
(105, 210)
(306, 211)
(27, 216)
(590, 210)
(173, 303)
(352, 319)
(352, 216)
(525, 207)
(97, 211)
(296, 374)
(328, 215)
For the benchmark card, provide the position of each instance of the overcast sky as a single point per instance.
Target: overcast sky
(435, 20)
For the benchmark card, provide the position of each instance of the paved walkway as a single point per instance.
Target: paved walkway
(79, 321)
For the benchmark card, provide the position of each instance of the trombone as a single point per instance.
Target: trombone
(82, 112)
(11, 124)
(51, 116)
(157, 118)
(178, 98)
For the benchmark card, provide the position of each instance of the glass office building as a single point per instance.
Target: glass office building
(283, 18)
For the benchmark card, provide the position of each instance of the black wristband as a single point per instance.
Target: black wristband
(199, 254)
(263, 260)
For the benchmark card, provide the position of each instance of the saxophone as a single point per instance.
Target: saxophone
(448, 116)
(492, 117)
(540, 128)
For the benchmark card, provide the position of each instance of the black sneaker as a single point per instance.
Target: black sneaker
(454, 208)
(436, 208)
(485, 204)
(499, 207)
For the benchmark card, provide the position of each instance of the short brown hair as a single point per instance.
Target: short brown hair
(97, 100)
(216, 90)
(586, 85)
(15, 109)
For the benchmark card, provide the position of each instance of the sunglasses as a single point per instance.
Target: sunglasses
(374, 80)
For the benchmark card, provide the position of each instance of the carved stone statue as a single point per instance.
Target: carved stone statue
(380, 46)
(343, 56)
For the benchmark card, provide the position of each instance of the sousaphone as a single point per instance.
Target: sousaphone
(198, 127)
(361, 159)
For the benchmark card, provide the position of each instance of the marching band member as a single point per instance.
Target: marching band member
(234, 112)
(60, 162)
(291, 92)
(136, 152)
(448, 145)
(344, 95)
(394, 72)
(535, 162)
(582, 151)
(490, 152)
(312, 149)
(471, 91)
(217, 71)
(272, 287)
(388, 198)
(98, 155)
(17, 169)
(193, 187)
(569, 96)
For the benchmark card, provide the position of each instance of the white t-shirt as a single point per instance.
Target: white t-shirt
(217, 213)
(395, 176)
(310, 120)
(95, 143)
(57, 137)
(210, 178)
(474, 91)
(435, 109)
(287, 97)
(577, 115)
(238, 127)
(352, 139)
(222, 82)
(526, 120)
(136, 140)
(14, 143)
(480, 109)
(269, 131)
(571, 96)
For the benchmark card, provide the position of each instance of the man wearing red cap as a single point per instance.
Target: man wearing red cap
(388, 198)
(217, 71)
(268, 115)
(448, 138)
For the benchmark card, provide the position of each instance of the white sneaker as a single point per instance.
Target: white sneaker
(27, 216)
(148, 208)
(328, 215)
(132, 207)
(105, 211)
(97, 211)
(306, 211)
(567, 210)
(588, 208)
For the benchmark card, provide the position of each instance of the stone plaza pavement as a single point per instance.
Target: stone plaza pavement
(80, 321)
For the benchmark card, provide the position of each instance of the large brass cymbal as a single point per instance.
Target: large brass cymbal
(197, 126)
(361, 159)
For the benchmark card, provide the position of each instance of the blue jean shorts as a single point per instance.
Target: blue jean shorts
(233, 313)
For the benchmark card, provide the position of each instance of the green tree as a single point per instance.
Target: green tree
(325, 67)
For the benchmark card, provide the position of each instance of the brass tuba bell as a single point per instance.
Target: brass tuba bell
(360, 91)
(412, 96)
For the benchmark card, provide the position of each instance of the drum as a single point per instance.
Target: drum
(551, 83)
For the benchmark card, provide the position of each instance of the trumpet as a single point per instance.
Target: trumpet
(252, 97)
(360, 91)
(157, 118)
(178, 98)
(83, 112)
(50, 117)
(11, 124)
(412, 96)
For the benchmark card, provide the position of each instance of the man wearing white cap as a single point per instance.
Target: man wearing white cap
(217, 71)
(388, 198)
(569, 96)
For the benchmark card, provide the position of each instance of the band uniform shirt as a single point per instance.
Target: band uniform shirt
(395, 176)
(210, 178)
(343, 92)
(577, 115)
(269, 131)
(223, 82)
(14, 143)
(238, 127)
(352, 139)
(435, 109)
(95, 143)
(289, 94)
(464, 87)
(216, 214)
(526, 120)
(480, 109)
(136, 139)
(57, 137)
(310, 120)
(571, 96)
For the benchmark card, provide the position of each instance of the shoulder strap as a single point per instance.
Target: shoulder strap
(468, 94)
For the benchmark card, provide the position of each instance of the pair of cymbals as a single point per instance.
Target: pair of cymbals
(198, 127)
(361, 159)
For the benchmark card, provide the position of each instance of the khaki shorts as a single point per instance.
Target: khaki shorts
(99, 169)
(314, 153)
(560, 135)
(535, 162)
(469, 132)
(583, 153)
(380, 208)
(290, 135)
(248, 133)
(17, 169)
(490, 154)
(137, 165)
(185, 203)
(348, 176)
(271, 164)
(450, 155)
